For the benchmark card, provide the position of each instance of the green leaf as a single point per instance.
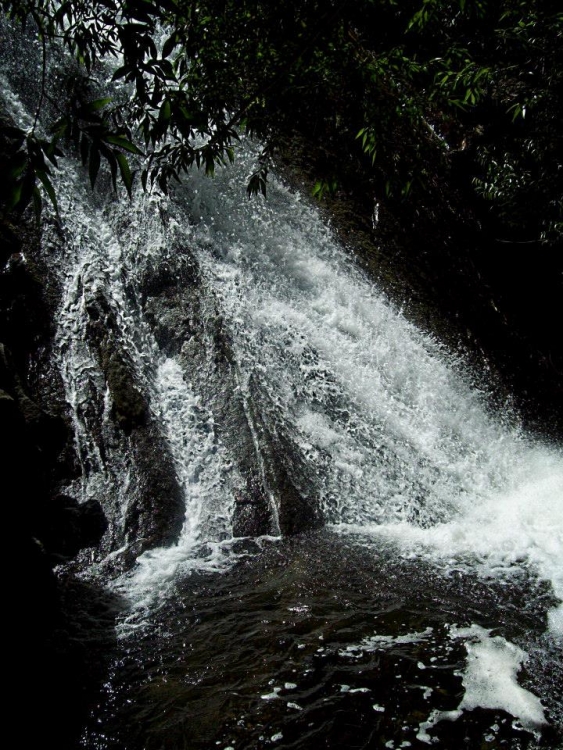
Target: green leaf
(98, 104)
(125, 170)
(124, 143)
(169, 45)
(17, 165)
(321, 187)
(122, 72)
(318, 189)
(165, 112)
(257, 183)
(49, 189)
(14, 196)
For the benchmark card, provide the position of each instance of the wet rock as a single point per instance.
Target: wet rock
(31, 440)
(169, 276)
(286, 470)
(129, 408)
(155, 512)
(170, 300)
(26, 323)
(156, 515)
(171, 326)
(23, 490)
(187, 322)
(26, 454)
(34, 437)
(46, 431)
(252, 514)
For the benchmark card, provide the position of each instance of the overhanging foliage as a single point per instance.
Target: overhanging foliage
(393, 87)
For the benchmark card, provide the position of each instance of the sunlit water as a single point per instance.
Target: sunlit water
(395, 440)
(407, 620)
(409, 469)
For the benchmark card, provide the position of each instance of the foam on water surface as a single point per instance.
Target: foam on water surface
(500, 533)
(490, 677)
(490, 681)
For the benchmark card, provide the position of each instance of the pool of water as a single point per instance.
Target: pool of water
(329, 641)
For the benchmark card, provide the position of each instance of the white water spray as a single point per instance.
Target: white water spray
(394, 441)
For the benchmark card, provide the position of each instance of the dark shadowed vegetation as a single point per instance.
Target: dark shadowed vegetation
(394, 88)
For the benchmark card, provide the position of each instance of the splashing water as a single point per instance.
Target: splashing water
(394, 440)
(274, 348)
(393, 436)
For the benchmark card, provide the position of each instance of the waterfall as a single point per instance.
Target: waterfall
(381, 425)
(233, 378)
(107, 254)
(374, 423)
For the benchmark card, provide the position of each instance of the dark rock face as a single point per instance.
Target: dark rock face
(59, 670)
(60, 644)
(170, 298)
(69, 526)
(155, 518)
(156, 511)
(252, 514)
(286, 473)
(31, 442)
(47, 432)
(188, 326)
(129, 407)
(22, 471)
(275, 493)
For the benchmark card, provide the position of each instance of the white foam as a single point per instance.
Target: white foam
(520, 526)
(393, 438)
(490, 677)
(434, 718)
(380, 642)
(395, 441)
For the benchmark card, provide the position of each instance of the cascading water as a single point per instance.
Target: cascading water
(105, 265)
(297, 368)
(232, 375)
(393, 441)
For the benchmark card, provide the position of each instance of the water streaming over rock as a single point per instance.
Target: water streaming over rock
(288, 394)
(234, 378)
